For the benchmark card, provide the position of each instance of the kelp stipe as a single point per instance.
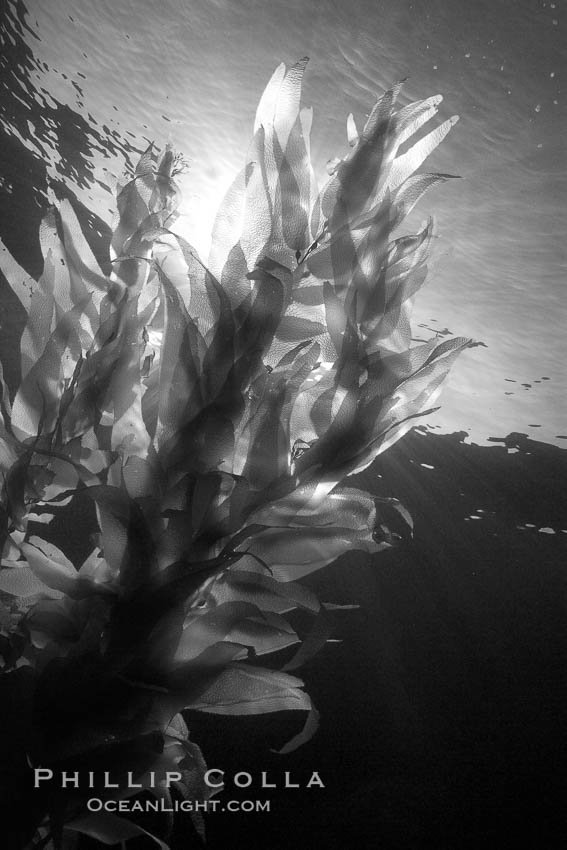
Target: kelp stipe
(209, 415)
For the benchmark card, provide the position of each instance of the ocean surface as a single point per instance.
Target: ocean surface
(443, 706)
(91, 81)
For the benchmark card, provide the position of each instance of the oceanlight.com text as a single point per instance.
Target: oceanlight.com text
(96, 804)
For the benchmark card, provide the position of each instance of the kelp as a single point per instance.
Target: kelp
(204, 418)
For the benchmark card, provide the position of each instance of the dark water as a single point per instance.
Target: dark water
(443, 707)
(443, 722)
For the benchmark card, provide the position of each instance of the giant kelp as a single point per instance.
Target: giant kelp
(205, 418)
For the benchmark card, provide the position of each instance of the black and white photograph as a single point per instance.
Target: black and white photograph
(283, 425)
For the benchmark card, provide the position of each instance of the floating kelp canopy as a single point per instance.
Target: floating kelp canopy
(203, 419)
